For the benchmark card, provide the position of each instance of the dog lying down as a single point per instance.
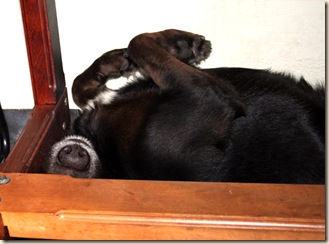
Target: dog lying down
(175, 121)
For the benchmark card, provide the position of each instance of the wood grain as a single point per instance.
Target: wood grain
(43, 129)
(61, 207)
(51, 110)
(43, 49)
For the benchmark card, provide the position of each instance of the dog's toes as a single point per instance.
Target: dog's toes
(112, 65)
(201, 49)
(192, 51)
(186, 46)
(183, 51)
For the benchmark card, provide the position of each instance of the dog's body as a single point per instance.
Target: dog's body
(178, 122)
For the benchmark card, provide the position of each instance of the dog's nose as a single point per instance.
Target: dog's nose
(74, 157)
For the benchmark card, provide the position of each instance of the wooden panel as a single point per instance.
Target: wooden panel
(42, 42)
(4, 235)
(61, 207)
(43, 129)
(51, 109)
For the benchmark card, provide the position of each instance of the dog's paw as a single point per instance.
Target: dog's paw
(74, 156)
(111, 65)
(186, 46)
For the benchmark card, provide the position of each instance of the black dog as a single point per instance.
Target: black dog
(178, 122)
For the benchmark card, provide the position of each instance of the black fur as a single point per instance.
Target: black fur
(224, 124)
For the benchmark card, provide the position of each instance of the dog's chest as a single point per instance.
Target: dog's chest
(123, 120)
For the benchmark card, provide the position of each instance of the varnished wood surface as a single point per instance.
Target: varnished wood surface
(51, 111)
(43, 129)
(61, 207)
(43, 49)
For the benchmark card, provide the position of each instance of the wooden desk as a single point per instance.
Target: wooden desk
(61, 207)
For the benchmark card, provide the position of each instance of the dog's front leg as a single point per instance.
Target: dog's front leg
(91, 82)
(169, 55)
(168, 58)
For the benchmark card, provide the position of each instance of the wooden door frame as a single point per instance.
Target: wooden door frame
(61, 207)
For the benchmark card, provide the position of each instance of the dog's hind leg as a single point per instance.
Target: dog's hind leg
(89, 84)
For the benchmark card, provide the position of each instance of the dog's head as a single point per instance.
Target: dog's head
(75, 156)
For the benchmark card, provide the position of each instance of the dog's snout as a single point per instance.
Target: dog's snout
(74, 156)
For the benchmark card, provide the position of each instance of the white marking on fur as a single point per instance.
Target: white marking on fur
(116, 84)
(112, 86)
(104, 97)
(136, 75)
(110, 91)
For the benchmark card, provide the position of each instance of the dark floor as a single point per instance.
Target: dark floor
(16, 120)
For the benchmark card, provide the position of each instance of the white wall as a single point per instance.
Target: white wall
(15, 82)
(285, 35)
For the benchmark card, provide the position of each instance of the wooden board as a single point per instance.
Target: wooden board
(46, 125)
(43, 49)
(61, 207)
